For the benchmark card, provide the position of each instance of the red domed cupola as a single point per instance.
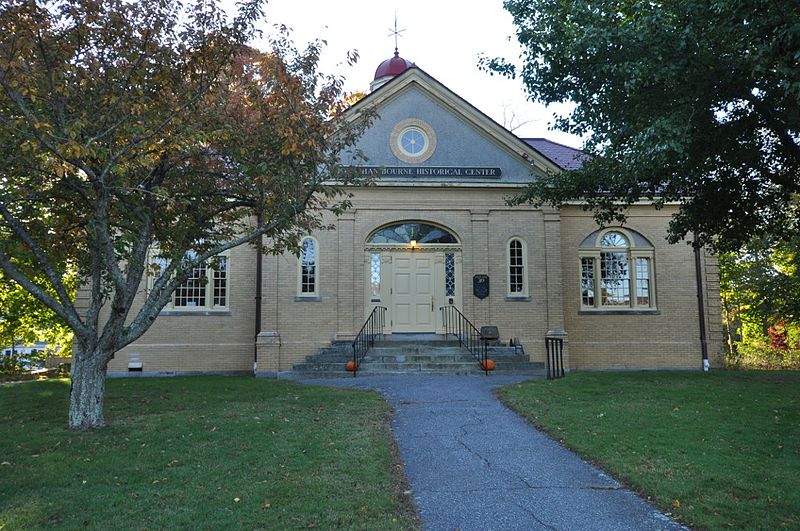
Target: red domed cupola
(393, 67)
(390, 68)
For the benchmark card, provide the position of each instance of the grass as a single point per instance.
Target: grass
(204, 452)
(719, 450)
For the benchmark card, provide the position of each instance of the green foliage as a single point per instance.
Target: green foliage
(717, 450)
(213, 453)
(24, 321)
(687, 101)
(762, 356)
(128, 127)
(760, 291)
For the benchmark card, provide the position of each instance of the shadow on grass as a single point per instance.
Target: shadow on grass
(213, 452)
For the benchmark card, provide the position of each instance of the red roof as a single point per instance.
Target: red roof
(393, 67)
(566, 157)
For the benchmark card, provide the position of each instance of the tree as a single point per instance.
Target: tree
(24, 320)
(143, 133)
(760, 289)
(687, 101)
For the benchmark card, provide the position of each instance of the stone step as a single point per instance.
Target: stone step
(449, 372)
(418, 365)
(299, 375)
(400, 343)
(415, 358)
(402, 355)
(320, 366)
(343, 358)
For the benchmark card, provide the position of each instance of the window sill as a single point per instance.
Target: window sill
(518, 298)
(310, 298)
(215, 313)
(601, 311)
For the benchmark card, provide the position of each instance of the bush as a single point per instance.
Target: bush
(762, 356)
(63, 370)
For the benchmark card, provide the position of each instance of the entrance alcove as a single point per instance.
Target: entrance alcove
(413, 268)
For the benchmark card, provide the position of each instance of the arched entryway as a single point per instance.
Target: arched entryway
(413, 268)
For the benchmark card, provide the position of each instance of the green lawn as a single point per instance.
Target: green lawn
(209, 452)
(719, 450)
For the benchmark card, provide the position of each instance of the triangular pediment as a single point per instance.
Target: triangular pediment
(425, 132)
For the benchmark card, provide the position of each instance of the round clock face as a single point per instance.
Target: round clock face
(413, 141)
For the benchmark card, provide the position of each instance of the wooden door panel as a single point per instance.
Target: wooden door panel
(413, 290)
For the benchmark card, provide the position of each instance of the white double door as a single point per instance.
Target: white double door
(413, 293)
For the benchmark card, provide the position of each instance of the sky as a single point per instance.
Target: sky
(443, 37)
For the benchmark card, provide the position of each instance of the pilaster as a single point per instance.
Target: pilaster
(347, 304)
(480, 309)
(268, 345)
(554, 279)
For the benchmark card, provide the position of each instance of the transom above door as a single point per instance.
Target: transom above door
(413, 269)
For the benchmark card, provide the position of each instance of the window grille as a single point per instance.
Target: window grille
(450, 274)
(375, 276)
(308, 267)
(516, 268)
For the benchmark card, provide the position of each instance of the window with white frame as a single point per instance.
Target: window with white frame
(308, 274)
(517, 255)
(206, 288)
(616, 268)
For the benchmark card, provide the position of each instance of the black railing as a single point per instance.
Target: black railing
(555, 357)
(469, 337)
(365, 339)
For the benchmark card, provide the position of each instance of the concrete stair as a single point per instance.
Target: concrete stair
(328, 363)
(414, 356)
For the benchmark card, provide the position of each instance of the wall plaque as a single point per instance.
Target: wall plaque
(480, 286)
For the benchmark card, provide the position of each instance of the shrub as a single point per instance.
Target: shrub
(763, 356)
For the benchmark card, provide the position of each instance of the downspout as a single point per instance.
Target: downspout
(259, 275)
(700, 304)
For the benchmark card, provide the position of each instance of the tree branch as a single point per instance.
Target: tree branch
(65, 311)
(47, 266)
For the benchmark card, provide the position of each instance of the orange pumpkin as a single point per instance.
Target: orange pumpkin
(487, 365)
(351, 366)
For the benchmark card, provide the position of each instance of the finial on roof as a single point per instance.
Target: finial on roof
(395, 33)
(393, 66)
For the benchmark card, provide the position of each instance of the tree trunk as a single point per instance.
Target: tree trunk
(87, 392)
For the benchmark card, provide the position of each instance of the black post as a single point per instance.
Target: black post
(698, 270)
(547, 356)
(485, 358)
(259, 281)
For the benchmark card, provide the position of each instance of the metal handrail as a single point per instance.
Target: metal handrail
(469, 337)
(365, 339)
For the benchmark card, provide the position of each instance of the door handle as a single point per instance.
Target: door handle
(431, 303)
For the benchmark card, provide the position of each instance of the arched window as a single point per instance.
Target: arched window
(517, 255)
(616, 270)
(421, 233)
(308, 274)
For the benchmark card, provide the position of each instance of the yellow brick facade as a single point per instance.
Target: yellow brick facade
(294, 327)
(458, 178)
(201, 342)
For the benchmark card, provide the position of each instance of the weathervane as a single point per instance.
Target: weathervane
(395, 33)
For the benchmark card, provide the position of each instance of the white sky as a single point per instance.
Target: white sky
(443, 37)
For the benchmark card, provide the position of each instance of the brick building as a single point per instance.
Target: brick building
(433, 231)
